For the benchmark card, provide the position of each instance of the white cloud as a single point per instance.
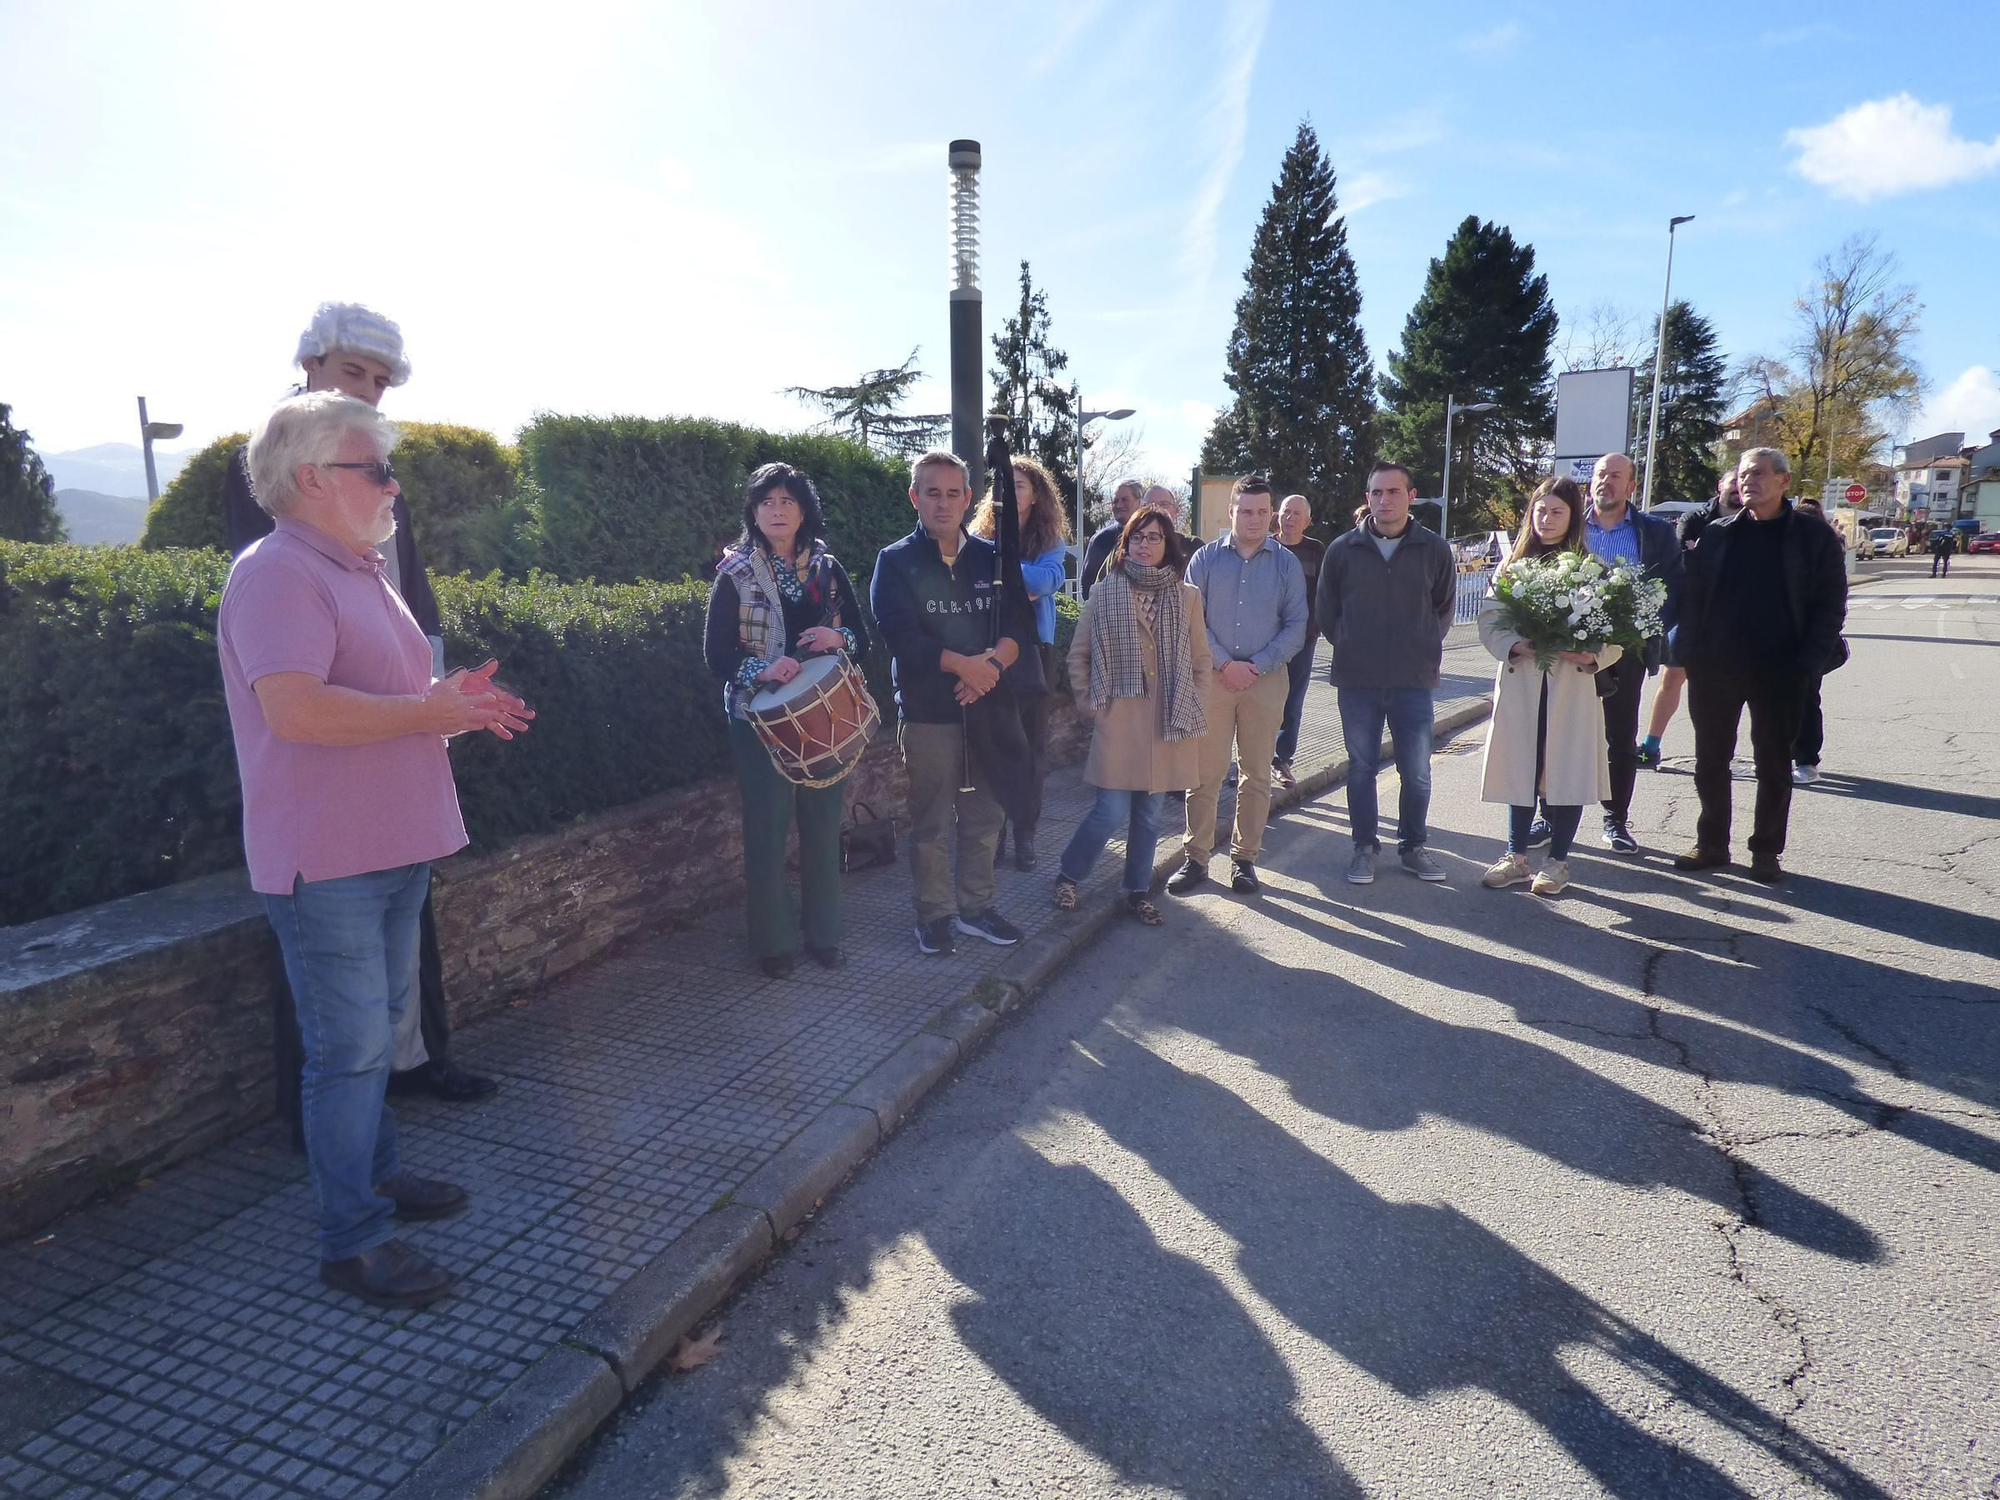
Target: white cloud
(1495, 41)
(1366, 189)
(1225, 125)
(1890, 146)
(1970, 404)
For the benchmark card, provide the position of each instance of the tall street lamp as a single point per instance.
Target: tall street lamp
(1660, 360)
(147, 432)
(1453, 409)
(968, 387)
(1083, 420)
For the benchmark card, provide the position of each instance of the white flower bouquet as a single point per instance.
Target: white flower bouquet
(1570, 601)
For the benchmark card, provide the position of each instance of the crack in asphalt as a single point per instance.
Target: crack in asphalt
(1718, 1136)
(1854, 1038)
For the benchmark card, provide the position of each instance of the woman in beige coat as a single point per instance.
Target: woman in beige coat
(1546, 737)
(1140, 660)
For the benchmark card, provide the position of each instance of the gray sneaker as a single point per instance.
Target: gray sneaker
(1419, 863)
(1361, 868)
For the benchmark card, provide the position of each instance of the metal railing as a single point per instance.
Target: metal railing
(1472, 591)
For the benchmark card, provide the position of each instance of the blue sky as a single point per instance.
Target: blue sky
(660, 208)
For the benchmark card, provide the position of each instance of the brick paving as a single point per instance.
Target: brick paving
(176, 1341)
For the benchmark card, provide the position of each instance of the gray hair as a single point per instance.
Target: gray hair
(1136, 486)
(925, 460)
(1776, 455)
(309, 429)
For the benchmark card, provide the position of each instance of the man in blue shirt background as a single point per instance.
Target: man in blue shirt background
(1616, 533)
(1255, 593)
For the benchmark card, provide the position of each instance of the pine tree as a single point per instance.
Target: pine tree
(1481, 330)
(1028, 388)
(868, 410)
(1693, 402)
(27, 494)
(1298, 362)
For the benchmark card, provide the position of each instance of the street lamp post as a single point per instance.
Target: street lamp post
(968, 387)
(1660, 360)
(147, 432)
(1083, 420)
(1453, 409)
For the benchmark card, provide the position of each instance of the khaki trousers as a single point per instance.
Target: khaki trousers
(934, 755)
(1244, 724)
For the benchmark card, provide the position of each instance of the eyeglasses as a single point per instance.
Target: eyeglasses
(381, 471)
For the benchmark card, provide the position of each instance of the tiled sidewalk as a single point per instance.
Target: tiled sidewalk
(178, 1342)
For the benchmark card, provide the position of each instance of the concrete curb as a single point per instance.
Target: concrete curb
(516, 1444)
(523, 1435)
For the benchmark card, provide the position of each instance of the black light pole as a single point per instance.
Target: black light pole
(968, 386)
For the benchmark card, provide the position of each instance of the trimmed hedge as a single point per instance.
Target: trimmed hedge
(463, 486)
(116, 764)
(624, 498)
(119, 775)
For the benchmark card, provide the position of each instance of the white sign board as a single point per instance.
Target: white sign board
(1578, 469)
(1594, 412)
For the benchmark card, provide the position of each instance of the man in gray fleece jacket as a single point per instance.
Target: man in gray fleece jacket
(1387, 593)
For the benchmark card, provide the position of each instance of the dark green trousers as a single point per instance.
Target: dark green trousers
(769, 802)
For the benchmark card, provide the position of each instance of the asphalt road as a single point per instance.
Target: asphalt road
(1669, 1187)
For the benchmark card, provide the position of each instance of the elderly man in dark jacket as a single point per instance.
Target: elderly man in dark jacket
(1760, 619)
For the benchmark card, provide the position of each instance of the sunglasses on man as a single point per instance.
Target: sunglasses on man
(381, 471)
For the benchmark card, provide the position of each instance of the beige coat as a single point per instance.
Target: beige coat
(1575, 770)
(1126, 751)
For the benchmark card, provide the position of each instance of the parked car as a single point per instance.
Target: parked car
(1889, 541)
(1986, 541)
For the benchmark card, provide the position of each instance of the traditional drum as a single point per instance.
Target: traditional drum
(815, 726)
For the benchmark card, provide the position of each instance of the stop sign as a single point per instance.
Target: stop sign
(1857, 493)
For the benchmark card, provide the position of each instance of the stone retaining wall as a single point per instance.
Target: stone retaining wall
(138, 1032)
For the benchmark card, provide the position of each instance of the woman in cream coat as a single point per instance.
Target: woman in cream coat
(1546, 737)
(1140, 660)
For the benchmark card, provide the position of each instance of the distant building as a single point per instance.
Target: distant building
(1930, 475)
(1980, 497)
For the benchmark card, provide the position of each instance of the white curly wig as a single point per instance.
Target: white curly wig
(350, 327)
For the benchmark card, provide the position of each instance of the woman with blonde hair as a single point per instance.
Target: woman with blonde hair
(1044, 551)
(1546, 737)
(1140, 660)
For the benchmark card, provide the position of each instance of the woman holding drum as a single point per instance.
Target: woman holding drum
(1044, 550)
(781, 602)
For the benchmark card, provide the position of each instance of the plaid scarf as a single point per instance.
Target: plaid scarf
(760, 606)
(1118, 651)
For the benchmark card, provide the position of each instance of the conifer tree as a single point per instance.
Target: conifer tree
(1030, 388)
(27, 494)
(1693, 398)
(1298, 362)
(1481, 330)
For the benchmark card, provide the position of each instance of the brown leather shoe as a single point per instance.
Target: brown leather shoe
(1699, 858)
(423, 1197)
(1765, 867)
(392, 1274)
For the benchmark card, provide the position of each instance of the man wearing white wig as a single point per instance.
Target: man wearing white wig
(355, 350)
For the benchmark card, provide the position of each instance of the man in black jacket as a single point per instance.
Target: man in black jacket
(1388, 591)
(352, 349)
(1761, 615)
(933, 596)
(1673, 677)
(1124, 500)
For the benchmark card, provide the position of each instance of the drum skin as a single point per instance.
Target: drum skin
(817, 725)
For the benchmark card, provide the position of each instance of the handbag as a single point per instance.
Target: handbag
(864, 845)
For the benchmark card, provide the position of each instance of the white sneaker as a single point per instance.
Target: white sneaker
(1804, 775)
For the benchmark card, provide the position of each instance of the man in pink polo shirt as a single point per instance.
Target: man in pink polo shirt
(340, 734)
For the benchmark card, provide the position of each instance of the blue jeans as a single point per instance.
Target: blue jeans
(1562, 823)
(1301, 668)
(350, 949)
(1139, 814)
(1407, 714)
